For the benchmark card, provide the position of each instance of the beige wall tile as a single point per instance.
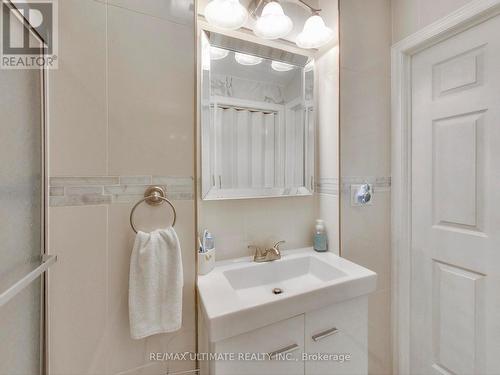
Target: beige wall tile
(180, 11)
(365, 122)
(124, 353)
(365, 33)
(409, 16)
(150, 77)
(379, 333)
(329, 212)
(405, 18)
(365, 151)
(239, 223)
(151, 95)
(366, 235)
(78, 297)
(431, 11)
(149, 369)
(77, 113)
(327, 96)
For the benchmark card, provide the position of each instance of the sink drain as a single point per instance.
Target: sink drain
(277, 290)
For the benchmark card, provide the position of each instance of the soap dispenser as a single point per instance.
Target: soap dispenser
(320, 238)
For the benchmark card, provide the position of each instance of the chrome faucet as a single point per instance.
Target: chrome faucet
(267, 255)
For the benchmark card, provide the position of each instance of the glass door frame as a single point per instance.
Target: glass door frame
(44, 254)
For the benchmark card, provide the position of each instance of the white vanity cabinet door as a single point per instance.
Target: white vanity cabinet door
(272, 338)
(338, 329)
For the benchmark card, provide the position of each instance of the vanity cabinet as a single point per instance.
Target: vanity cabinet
(285, 339)
(340, 329)
(303, 343)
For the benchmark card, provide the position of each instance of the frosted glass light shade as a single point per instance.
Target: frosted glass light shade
(273, 23)
(245, 59)
(315, 34)
(281, 67)
(226, 14)
(218, 53)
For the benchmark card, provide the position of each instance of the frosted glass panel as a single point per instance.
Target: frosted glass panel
(20, 217)
(20, 328)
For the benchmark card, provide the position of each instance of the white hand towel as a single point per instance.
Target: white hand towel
(155, 284)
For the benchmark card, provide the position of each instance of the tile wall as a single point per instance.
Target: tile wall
(121, 117)
(327, 145)
(239, 223)
(365, 40)
(409, 16)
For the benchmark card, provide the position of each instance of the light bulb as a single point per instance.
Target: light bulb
(273, 23)
(218, 53)
(315, 34)
(281, 67)
(244, 59)
(226, 14)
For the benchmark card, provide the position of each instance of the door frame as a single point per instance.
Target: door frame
(474, 13)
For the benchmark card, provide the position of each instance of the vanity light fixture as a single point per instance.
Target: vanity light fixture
(281, 67)
(244, 59)
(218, 53)
(315, 33)
(226, 14)
(273, 22)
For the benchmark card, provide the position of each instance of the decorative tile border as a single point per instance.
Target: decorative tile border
(330, 186)
(379, 183)
(82, 191)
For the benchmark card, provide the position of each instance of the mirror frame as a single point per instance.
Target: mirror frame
(213, 192)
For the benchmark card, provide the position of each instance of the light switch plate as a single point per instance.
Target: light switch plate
(357, 191)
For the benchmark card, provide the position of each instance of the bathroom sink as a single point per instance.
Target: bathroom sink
(240, 295)
(289, 275)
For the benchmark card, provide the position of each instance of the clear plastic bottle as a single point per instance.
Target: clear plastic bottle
(206, 258)
(209, 242)
(320, 237)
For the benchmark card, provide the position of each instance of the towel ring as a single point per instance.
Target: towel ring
(154, 196)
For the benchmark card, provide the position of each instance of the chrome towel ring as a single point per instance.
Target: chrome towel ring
(154, 196)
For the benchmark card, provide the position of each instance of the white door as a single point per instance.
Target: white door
(455, 239)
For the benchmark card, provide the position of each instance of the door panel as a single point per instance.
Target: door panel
(455, 277)
(21, 216)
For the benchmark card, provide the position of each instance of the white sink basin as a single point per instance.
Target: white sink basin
(237, 296)
(291, 275)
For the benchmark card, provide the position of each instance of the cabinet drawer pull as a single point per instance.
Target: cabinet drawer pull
(324, 334)
(285, 350)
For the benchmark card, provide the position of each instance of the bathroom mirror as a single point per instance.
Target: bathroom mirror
(257, 120)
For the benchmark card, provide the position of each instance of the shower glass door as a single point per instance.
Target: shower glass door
(22, 206)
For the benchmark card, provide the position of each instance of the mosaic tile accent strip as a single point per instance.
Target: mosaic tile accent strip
(379, 183)
(104, 190)
(328, 186)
